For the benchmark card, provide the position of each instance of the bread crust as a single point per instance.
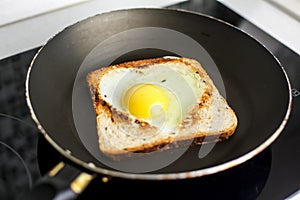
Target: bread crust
(107, 116)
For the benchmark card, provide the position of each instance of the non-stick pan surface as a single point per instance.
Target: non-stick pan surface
(253, 81)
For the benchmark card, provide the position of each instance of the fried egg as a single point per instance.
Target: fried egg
(161, 95)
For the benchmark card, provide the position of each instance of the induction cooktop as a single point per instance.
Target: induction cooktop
(26, 156)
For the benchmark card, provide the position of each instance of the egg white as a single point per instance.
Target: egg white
(179, 83)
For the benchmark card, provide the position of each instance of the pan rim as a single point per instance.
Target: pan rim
(163, 176)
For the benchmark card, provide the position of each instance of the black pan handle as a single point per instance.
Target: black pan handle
(62, 182)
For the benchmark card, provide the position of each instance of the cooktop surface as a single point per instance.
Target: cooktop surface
(26, 156)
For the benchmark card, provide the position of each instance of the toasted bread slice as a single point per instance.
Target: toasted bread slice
(208, 119)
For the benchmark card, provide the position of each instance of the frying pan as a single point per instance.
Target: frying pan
(248, 75)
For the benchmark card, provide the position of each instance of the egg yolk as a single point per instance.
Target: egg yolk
(146, 101)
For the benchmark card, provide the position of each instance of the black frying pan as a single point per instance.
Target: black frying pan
(246, 73)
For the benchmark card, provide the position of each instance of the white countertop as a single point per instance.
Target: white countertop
(28, 24)
(25, 25)
(273, 17)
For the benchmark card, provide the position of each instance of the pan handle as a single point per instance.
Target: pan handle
(62, 182)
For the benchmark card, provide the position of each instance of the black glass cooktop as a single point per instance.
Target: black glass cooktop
(25, 155)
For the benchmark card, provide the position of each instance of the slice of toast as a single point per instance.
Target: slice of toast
(210, 119)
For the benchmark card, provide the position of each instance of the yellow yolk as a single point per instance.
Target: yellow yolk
(146, 101)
